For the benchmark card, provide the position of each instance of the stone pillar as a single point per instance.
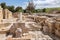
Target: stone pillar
(9, 15)
(2, 35)
(6, 13)
(20, 16)
(1, 14)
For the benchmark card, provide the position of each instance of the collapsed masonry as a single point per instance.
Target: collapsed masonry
(17, 30)
(50, 25)
(5, 14)
(47, 24)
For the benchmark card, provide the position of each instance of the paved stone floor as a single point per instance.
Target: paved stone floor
(2, 36)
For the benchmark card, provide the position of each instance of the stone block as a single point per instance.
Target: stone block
(45, 29)
(13, 29)
(51, 25)
(57, 25)
(9, 15)
(1, 13)
(57, 32)
(58, 18)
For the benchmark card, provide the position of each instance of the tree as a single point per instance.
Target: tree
(18, 9)
(30, 7)
(3, 5)
(11, 8)
(39, 10)
(24, 11)
(44, 10)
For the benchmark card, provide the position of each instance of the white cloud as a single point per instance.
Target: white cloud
(43, 4)
(46, 3)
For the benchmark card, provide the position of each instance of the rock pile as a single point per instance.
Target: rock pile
(49, 25)
(17, 29)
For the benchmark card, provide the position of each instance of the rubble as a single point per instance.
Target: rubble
(34, 28)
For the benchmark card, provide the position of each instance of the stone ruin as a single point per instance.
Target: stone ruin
(5, 14)
(49, 25)
(17, 30)
(1, 13)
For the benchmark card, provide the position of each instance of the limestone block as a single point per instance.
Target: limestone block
(9, 15)
(32, 38)
(45, 29)
(40, 18)
(18, 25)
(58, 18)
(47, 37)
(51, 25)
(9, 37)
(57, 32)
(57, 25)
(5, 13)
(18, 33)
(1, 13)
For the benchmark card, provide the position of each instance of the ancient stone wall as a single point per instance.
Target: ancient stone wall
(1, 13)
(49, 25)
(15, 29)
(7, 14)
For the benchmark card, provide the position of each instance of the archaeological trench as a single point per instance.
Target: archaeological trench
(48, 24)
(33, 27)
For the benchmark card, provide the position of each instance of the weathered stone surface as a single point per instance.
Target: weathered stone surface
(13, 30)
(45, 29)
(57, 28)
(57, 25)
(51, 25)
(57, 32)
(7, 14)
(58, 18)
(1, 13)
(40, 19)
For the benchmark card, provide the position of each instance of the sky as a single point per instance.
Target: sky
(38, 3)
